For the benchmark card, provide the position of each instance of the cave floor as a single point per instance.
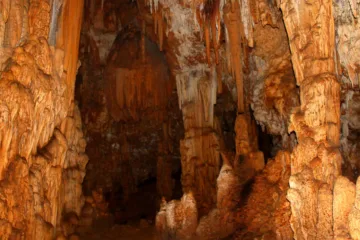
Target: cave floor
(130, 231)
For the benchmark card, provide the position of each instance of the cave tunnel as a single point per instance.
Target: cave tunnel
(179, 119)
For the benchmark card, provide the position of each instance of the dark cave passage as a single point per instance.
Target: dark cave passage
(266, 144)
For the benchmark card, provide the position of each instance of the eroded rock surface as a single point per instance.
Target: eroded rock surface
(43, 156)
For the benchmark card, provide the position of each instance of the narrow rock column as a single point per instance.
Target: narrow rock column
(200, 155)
(235, 40)
(316, 161)
(236, 44)
(196, 80)
(68, 38)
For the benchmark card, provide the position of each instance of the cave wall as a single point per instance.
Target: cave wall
(42, 144)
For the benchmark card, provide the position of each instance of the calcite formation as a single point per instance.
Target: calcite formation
(179, 219)
(266, 212)
(43, 156)
(316, 160)
(167, 88)
(289, 85)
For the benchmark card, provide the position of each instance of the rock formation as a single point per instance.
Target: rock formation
(177, 219)
(246, 111)
(43, 156)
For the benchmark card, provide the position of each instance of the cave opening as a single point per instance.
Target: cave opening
(266, 143)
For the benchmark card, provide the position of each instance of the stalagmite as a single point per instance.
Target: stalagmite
(344, 196)
(177, 219)
(207, 42)
(220, 222)
(354, 215)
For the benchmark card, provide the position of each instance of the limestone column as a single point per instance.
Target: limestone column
(200, 155)
(246, 140)
(316, 161)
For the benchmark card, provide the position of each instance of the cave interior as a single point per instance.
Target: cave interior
(179, 119)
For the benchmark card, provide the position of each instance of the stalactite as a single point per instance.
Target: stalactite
(159, 26)
(216, 28)
(153, 5)
(207, 42)
(228, 51)
(209, 20)
(235, 42)
(55, 13)
(199, 17)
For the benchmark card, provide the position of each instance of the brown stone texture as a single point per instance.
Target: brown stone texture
(320, 199)
(266, 212)
(43, 156)
(178, 218)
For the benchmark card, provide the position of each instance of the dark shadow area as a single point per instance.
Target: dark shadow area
(265, 142)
